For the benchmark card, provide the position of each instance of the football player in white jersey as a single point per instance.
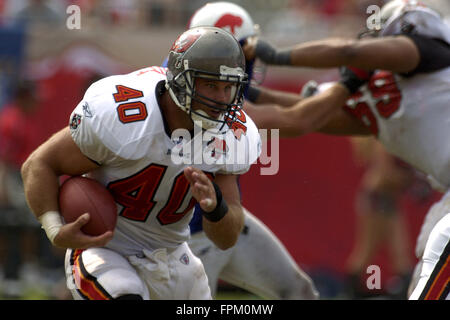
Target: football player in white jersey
(279, 277)
(132, 133)
(403, 102)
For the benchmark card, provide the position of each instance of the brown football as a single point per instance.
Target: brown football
(78, 195)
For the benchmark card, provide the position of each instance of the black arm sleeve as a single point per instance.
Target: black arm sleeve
(434, 54)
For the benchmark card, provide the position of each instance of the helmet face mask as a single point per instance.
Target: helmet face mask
(212, 54)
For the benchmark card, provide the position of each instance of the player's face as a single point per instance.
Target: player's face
(217, 91)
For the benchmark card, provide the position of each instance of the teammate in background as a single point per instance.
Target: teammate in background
(379, 218)
(246, 265)
(404, 107)
(129, 147)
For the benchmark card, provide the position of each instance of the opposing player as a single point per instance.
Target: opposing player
(132, 133)
(404, 104)
(246, 265)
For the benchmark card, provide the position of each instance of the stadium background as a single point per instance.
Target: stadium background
(308, 204)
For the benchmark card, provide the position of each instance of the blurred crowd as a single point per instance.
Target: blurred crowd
(272, 15)
(170, 12)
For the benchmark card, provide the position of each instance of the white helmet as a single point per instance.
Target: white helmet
(412, 16)
(225, 15)
(395, 8)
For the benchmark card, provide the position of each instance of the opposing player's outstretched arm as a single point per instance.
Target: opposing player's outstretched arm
(225, 231)
(40, 173)
(394, 53)
(322, 112)
(261, 95)
(343, 123)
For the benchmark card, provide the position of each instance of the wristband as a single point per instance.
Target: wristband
(221, 208)
(270, 55)
(51, 222)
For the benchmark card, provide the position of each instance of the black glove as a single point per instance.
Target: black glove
(253, 94)
(353, 78)
(270, 55)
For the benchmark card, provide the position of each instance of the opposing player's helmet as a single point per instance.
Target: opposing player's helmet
(228, 16)
(393, 8)
(209, 53)
(236, 20)
(413, 17)
(396, 8)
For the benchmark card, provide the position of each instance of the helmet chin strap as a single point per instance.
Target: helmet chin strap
(205, 123)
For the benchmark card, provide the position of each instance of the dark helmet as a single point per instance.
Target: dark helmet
(211, 53)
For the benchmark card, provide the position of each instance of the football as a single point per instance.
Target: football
(78, 195)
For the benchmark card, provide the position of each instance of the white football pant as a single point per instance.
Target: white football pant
(434, 279)
(100, 273)
(436, 212)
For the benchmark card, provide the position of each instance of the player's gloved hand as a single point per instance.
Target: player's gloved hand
(253, 94)
(353, 78)
(270, 55)
(309, 89)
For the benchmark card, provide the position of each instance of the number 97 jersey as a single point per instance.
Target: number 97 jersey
(119, 125)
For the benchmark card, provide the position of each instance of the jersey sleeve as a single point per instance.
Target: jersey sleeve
(434, 54)
(85, 135)
(118, 118)
(94, 124)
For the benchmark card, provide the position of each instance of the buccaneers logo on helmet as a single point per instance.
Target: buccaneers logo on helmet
(184, 42)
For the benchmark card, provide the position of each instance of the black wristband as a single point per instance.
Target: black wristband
(253, 94)
(221, 208)
(270, 55)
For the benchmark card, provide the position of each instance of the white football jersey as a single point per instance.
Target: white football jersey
(410, 117)
(119, 125)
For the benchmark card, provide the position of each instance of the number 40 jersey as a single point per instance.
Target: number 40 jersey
(119, 125)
